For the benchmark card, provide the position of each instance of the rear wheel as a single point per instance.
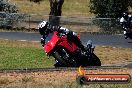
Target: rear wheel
(94, 61)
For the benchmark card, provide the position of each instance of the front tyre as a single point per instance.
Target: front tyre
(61, 62)
(64, 59)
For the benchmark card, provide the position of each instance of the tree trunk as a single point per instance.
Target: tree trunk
(55, 12)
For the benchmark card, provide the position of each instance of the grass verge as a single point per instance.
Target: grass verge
(20, 54)
(57, 79)
(16, 54)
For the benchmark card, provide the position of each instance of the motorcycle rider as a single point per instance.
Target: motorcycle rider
(125, 22)
(45, 28)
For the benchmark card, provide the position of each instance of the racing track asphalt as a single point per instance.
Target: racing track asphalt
(97, 39)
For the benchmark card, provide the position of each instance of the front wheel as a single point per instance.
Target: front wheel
(94, 61)
(61, 62)
(64, 60)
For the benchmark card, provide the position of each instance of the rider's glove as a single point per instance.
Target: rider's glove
(42, 41)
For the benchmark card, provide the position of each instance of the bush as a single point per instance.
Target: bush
(108, 25)
(109, 8)
(5, 6)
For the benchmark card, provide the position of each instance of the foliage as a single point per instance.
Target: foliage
(19, 54)
(11, 20)
(6, 7)
(108, 25)
(6, 15)
(109, 8)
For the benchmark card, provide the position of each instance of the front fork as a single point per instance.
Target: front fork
(90, 47)
(61, 57)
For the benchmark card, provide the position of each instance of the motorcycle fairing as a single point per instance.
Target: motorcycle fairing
(63, 41)
(69, 45)
(51, 43)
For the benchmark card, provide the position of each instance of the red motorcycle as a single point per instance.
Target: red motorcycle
(67, 53)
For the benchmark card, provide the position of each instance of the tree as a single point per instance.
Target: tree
(55, 11)
(109, 8)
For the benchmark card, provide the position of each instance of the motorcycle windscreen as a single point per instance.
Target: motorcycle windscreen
(50, 42)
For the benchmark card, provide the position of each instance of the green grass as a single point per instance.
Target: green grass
(18, 54)
(23, 57)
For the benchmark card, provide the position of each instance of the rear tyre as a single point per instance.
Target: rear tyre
(94, 61)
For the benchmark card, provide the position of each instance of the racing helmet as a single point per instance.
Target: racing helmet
(43, 27)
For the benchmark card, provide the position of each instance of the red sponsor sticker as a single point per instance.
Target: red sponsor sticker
(84, 78)
(107, 78)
